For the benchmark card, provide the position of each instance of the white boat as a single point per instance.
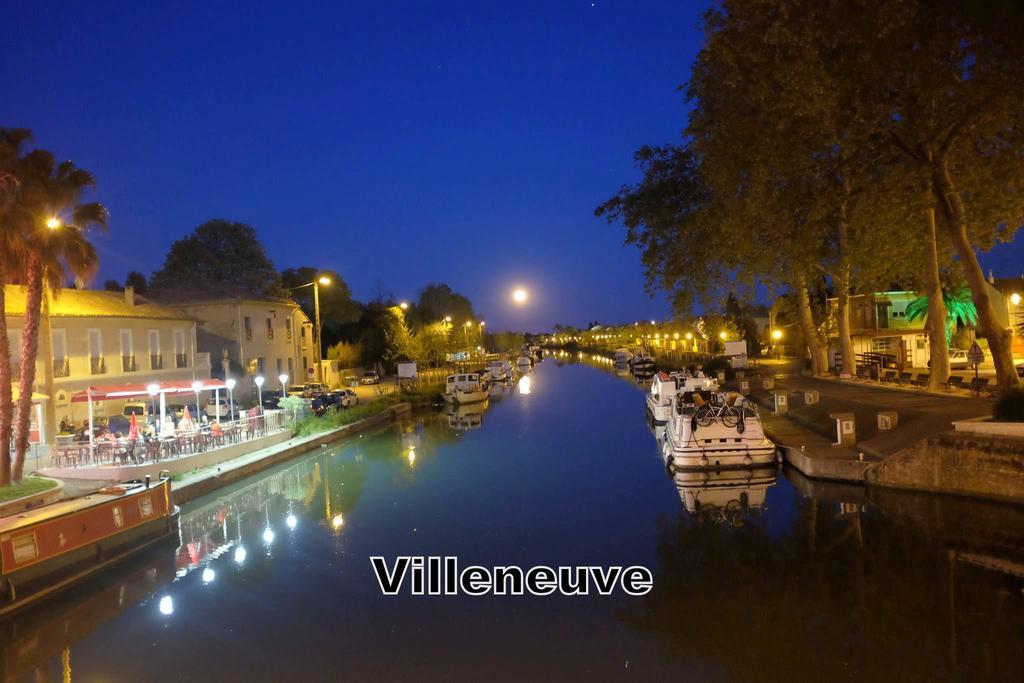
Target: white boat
(665, 387)
(733, 492)
(622, 355)
(622, 368)
(524, 362)
(465, 416)
(464, 388)
(715, 435)
(496, 371)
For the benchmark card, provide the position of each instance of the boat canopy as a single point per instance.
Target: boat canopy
(112, 391)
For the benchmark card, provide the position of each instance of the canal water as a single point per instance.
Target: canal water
(774, 577)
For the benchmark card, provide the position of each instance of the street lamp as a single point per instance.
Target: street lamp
(723, 335)
(1015, 299)
(315, 284)
(153, 390)
(776, 336)
(283, 378)
(197, 386)
(230, 384)
(53, 223)
(404, 306)
(258, 381)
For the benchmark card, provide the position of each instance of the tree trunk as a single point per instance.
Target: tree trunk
(6, 400)
(849, 366)
(998, 337)
(29, 345)
(805, 317)
(935, 324)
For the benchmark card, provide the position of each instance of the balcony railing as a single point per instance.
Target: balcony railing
(248, 334)
(61, 367)
(181, 360)
(128, 364)
(156, 361)
(270, 334)
(97, 366)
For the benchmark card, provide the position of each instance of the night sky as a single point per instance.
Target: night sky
(466, 143)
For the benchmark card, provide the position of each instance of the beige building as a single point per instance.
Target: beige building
(99, 338)
(246, 337)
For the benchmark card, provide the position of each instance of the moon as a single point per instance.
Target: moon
(519, 296)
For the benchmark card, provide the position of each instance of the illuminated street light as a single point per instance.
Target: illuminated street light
(404, 305)
(722, 335)
(53, 223)
(776, 335)
(230, 384)
(689, 336)
(166, 606)
(292, 521)
(258, 381)
(1015, 298)
(324, 280)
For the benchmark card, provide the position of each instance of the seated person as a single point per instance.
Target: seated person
(216, 429)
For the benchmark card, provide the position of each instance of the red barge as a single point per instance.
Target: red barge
(47, 549)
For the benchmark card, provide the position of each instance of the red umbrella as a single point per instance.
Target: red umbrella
(133, 428)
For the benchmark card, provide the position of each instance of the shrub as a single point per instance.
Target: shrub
(718, 364)
(1010, 406)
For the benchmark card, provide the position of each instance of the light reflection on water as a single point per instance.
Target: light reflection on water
(758, 575)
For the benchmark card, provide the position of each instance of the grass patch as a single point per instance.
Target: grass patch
(27, 487)
(333, 419)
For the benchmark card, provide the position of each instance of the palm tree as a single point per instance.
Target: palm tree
(55, 250)
(960, 309)
(11, 141)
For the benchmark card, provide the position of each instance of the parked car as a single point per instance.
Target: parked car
(297, 390)
(137, 408)
(958, 359)
(346, 397)
(314, 389)
(370, 377)
(218, 408)
(271, 399)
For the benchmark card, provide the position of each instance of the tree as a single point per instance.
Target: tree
(219, 255)
(11, 261)
(347, 354)
(430, 344)
(112, 286)
(385, 335)
(438, 301)
(137, 281)
(53, 221)
(958, 305)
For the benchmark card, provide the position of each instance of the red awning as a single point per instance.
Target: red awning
(107, 392)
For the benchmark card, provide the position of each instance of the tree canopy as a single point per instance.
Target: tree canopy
(219, 255)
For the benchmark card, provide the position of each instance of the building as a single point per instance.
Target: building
(1008, 299)
(879, 324)
(101, 338)
(250, 336)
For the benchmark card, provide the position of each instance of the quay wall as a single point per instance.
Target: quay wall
(959, 463)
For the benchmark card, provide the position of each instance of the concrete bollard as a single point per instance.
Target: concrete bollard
(781, 401)
(887, 419)
(744, 386)
(769, 384)
(810, 396)
(846, 429)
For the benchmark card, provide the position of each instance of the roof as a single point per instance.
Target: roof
(93, 303)
(215, 293)
(138, 389)
(1009, 285)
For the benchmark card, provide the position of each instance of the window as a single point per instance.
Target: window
(305, 363)
(14, 343)
(288, 329)
(96, 364)
(127, 351)
(25, 548)
(291, 368)
(118, 516)
(280, 366)
(248, 328)
(146, 506)
(180, 357)
(302, 335)
(156, 361)
(270, 329)
(254, 366)
(59, 343)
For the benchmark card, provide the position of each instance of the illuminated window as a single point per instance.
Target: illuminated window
(146, 506)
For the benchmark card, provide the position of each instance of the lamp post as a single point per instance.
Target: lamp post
(230, 384)
(315, 284)
(197, 386)
(776, 336)
(258, 381)
(283, 378)
(153, 390)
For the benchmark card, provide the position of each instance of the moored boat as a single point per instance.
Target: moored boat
(642, 366)
(49, 548)
(464, 388)
(496, 371)
(666, 386)
(715, 431)
(732, 491)
(524, 362)
(622, 355)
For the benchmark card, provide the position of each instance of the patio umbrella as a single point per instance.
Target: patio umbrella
(133, 428)
(185, 424)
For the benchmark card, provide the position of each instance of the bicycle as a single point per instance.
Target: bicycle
(725, 411)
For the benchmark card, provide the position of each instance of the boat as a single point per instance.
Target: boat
(732, 492)
(524, 362)
(622, 355)
(709, 430)
(49, 548)
(496, 371)
(642, 366)
(666, 386)
(622, 368)
(464, 388)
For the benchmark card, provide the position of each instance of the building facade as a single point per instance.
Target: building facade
(248, 337)
(879, 324)
(95, 338)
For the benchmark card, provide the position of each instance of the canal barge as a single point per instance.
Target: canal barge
(52, 547)
(715, 431)
(666, 386)
(464, 388)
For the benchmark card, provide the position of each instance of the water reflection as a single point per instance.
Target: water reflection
(725, 496)
(466, 416)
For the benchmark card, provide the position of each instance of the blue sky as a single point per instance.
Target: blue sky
(397, 143)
